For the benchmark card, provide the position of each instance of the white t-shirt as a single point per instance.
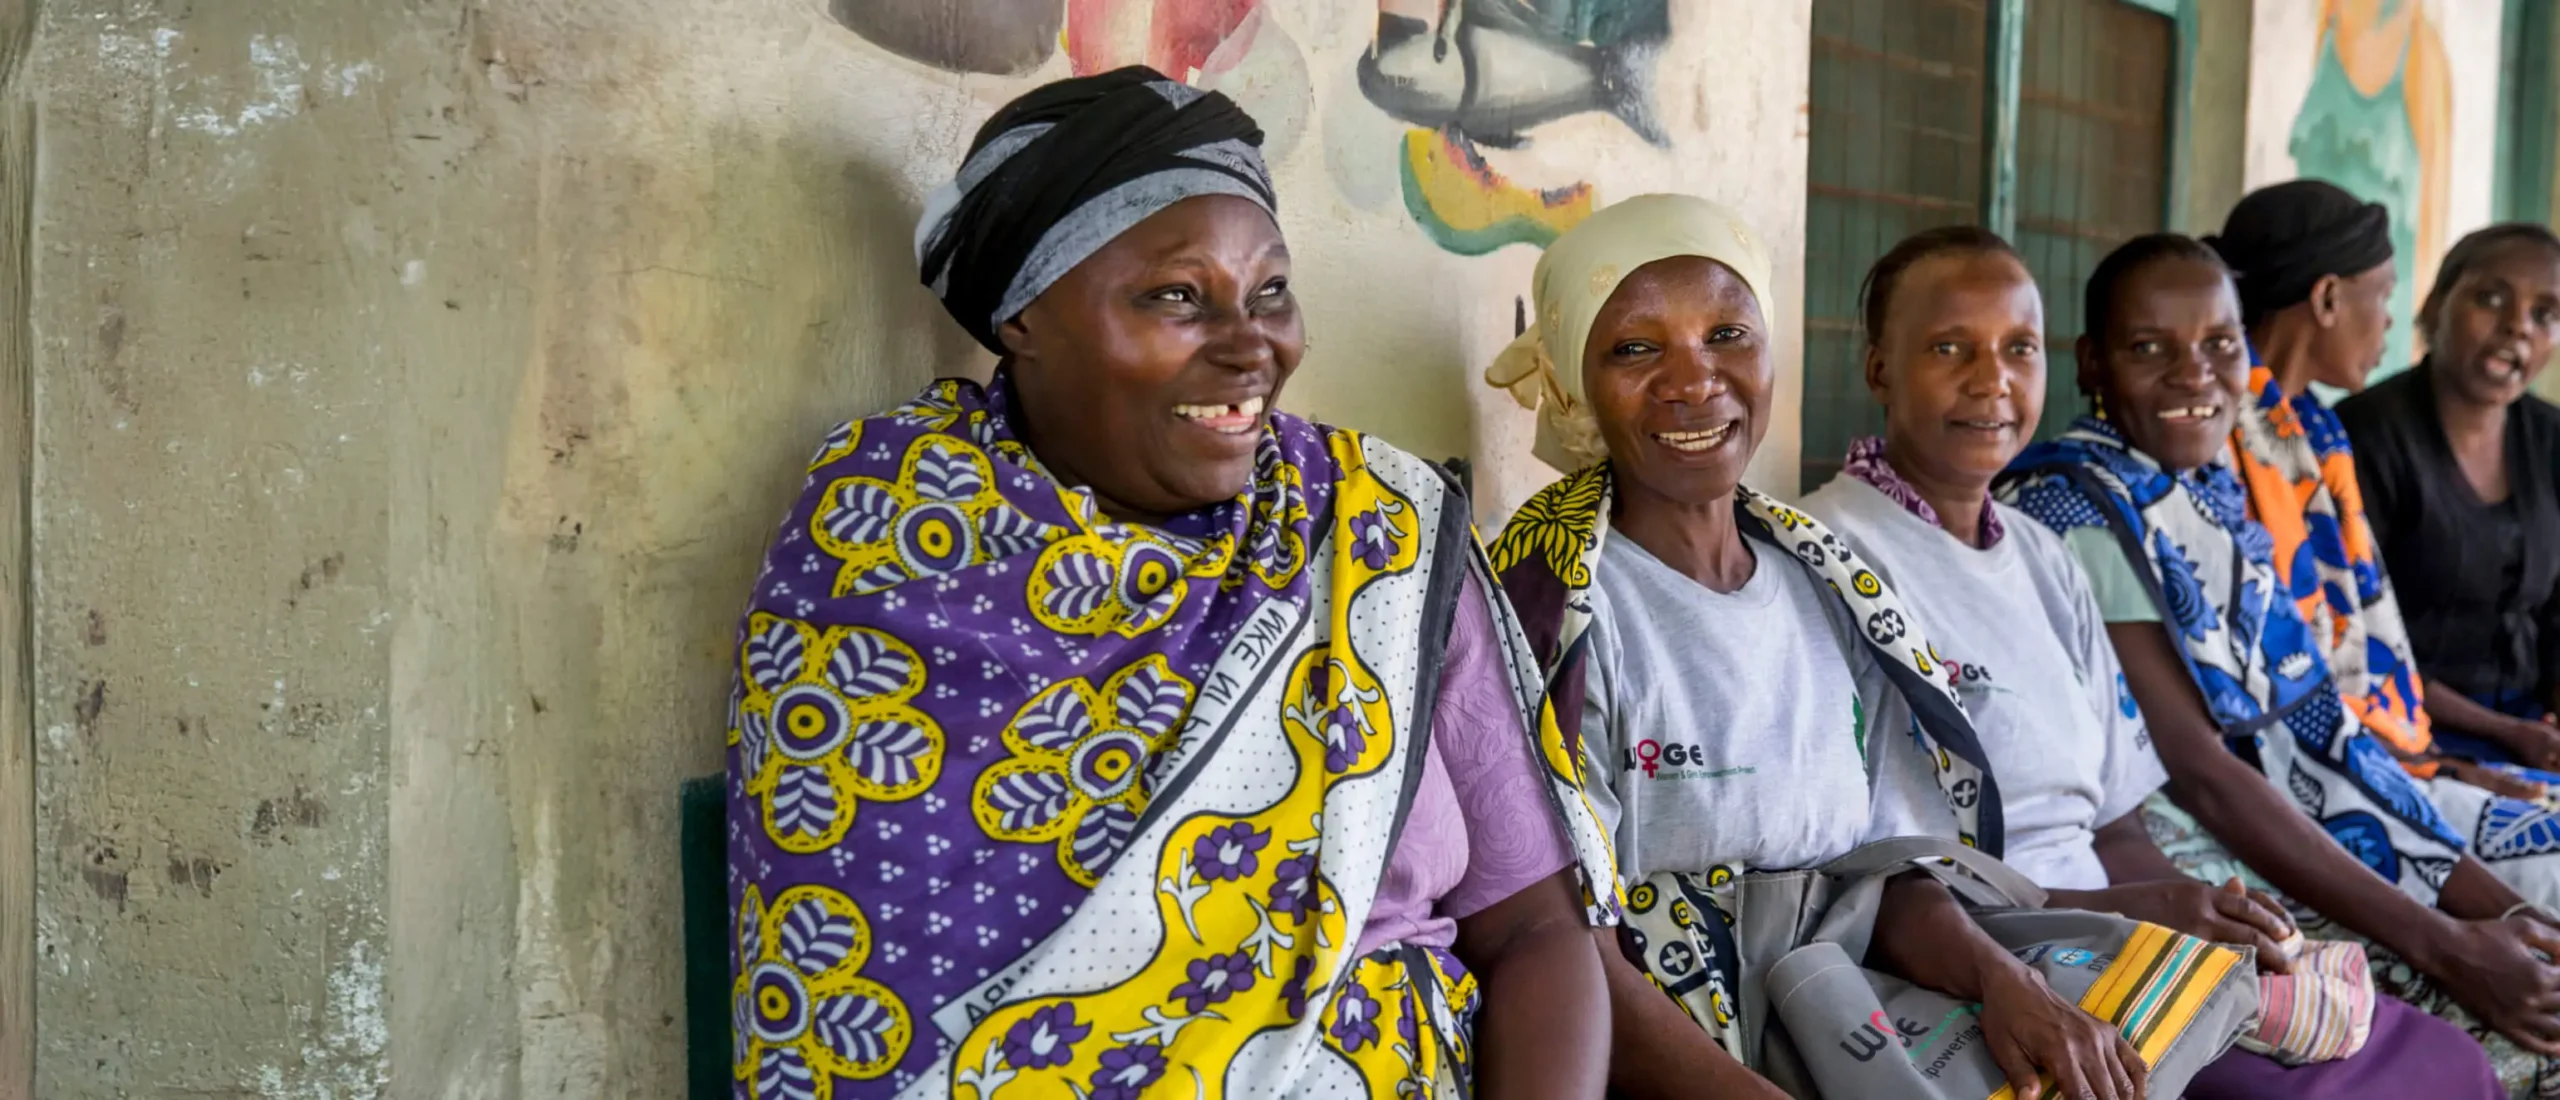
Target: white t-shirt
(2027, 651)
(1727, 728)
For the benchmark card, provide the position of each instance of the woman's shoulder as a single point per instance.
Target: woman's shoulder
(1403, 471)
(2540, 413)
(2384, 406)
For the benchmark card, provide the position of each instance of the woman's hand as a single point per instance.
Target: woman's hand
(2232, 914)
(2500, 971)
(2029, 1028)
(2536, 744)
(2497, 782)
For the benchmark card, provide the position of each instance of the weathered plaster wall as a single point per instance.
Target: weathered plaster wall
(2395, 101)
(414, 386)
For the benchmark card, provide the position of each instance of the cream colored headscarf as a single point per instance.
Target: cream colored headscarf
(1543, 368)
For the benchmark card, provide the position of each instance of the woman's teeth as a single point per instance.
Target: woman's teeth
(2191, 412)
(1695, 441)
(1230, 419)
(2506, 366)
(1984, 425)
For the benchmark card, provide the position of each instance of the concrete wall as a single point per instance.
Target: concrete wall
(2414, 85)
(413, 387)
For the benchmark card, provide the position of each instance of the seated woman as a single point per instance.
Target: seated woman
(2316, 264)
(1076, 710)
(2461, 473)
(1955, 352)
(2245, 715)
(1719, 676)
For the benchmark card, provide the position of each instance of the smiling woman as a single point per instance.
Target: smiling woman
(1204, 717)
(1684, 619)
(2286, 788)
(1956, 357)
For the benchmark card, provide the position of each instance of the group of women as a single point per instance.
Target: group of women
(1103, 731)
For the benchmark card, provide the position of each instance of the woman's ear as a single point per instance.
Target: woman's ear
(1877, 383)
(2324, 300)
(2428, 312)
(1018, 344)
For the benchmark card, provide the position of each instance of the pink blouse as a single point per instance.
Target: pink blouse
(1481, 828)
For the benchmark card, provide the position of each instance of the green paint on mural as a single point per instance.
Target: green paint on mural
(2366, 145)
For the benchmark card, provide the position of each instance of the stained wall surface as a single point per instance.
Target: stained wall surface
(414, 386)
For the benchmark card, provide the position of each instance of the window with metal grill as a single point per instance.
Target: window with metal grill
(2048, 120)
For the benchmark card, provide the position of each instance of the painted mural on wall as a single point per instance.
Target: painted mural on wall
(1476, 74)
(2378, 121)
(967, 36)
(1454, 78)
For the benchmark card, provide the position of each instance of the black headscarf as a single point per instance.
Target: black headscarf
(2280, 240)
(1058, 173)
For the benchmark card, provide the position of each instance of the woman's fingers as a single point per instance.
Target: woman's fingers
(2137, 1071)
(2066, 1074)
(2272, 906)
(2244, 923)
(2527, 1035)
(2016, 1066)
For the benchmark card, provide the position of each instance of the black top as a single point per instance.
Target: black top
(2476, 581)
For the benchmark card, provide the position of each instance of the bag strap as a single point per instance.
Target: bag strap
(1850, 916)
(2005, 886)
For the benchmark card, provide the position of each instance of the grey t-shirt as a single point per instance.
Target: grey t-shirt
(2026, 648)
(1728, 728)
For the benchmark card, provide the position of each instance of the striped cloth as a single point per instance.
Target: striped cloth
(2322, 1011)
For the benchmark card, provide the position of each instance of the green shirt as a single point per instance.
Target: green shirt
(2122, 597)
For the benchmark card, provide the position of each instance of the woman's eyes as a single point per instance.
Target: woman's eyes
(2145, 347)
(2023, 348)
(1273, 289)
(1181, 295)
(2222, 345)
(1631, 348)
(1727, 334)
(1947, 348)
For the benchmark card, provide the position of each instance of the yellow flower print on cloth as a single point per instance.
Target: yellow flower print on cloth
(1559, 526)
(803, 1014)
(824, 717)
(942, 515)
(1078, 773)
(1119, 579)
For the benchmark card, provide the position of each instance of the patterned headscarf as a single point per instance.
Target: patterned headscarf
(1575, 278)
(2210, 571)
(1058, 173)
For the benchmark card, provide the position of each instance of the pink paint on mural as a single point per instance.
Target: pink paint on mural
(1175, 37)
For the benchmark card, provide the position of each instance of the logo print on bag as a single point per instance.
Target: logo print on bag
(1879, 1032)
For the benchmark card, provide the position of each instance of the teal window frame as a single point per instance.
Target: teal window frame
(2522, 187)
(2007, 45)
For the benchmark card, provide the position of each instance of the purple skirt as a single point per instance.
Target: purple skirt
(2409, 1054)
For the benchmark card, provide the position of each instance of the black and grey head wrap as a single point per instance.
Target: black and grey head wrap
(2282, 240)
(1058, 173)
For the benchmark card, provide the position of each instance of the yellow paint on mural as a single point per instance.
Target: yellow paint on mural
(1470, 209)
